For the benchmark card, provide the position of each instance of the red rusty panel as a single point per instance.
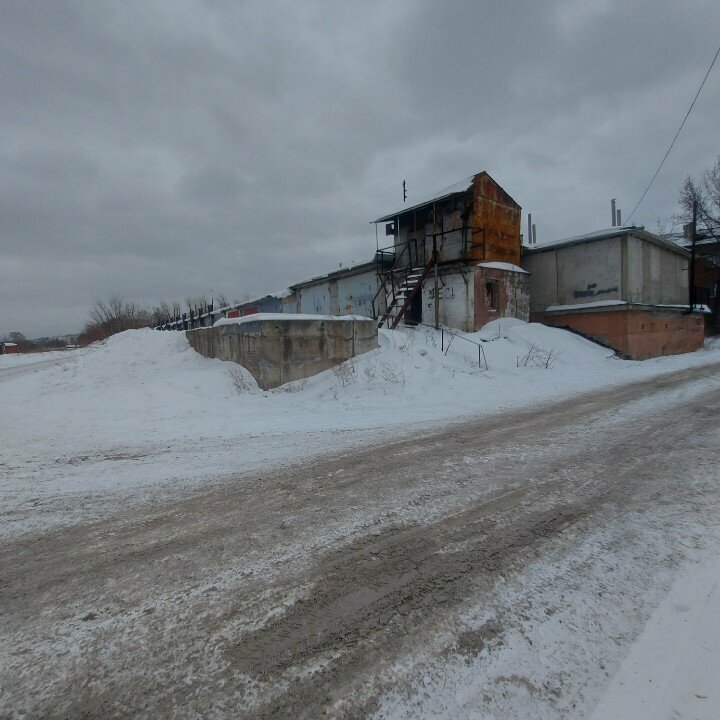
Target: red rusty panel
(250, 310)
(495, 222)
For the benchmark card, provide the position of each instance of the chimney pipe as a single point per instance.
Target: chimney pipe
(534, 237)
(612, 211)
(529, 238)
(619, 221)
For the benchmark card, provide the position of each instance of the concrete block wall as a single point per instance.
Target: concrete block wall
(277, 351)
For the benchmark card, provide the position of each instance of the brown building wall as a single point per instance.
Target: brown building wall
(636, 332)
(495, 220)
(507, 295)
(707, 290)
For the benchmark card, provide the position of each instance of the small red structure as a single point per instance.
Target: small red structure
(7, 347)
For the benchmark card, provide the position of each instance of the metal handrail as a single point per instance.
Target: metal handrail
(482, 359)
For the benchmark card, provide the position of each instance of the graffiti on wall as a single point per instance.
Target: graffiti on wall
(444, 293)
(592, 291)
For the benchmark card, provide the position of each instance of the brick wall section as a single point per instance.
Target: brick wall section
(637, 332)
(513, 296)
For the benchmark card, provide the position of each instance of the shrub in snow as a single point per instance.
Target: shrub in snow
(238, 380)
(386, 371)
(346, 372)
(537, 357)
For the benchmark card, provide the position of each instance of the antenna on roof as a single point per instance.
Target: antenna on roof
(404, 192)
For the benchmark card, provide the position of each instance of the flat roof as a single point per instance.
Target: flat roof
(620, 231)
(349, 270)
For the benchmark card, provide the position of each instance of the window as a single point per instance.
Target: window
(491, 294)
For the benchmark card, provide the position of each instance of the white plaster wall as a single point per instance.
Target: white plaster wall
(634, 272)
(574, 274)
(457, 300)
(355, 294)
(543, 279)
(665, 276)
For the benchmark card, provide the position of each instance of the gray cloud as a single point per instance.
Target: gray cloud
(162, 149)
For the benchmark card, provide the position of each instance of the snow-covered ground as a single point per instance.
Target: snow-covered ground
(142, 416)
(143, 412)
(17, 359)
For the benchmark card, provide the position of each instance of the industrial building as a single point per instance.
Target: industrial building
(454, 261)
(352, 290)
(455, 258)
(623, 287)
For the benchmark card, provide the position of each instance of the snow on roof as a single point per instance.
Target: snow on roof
(449, 191)
(610, 303)
(9, 344)
(588, 237)
(259, 298)
(619, 231)
(503, 266)
(283, 317)
(340, 271)
(584, 306)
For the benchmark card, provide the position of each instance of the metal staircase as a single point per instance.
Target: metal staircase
(402, 297)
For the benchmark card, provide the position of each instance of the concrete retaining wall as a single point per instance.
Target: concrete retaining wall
(277, 351)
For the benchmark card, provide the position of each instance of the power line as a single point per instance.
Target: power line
(682, 124)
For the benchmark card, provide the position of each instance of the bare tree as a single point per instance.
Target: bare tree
(113, 315)
(706, 192)
(20, 340)
(198, 302)
(161, 314)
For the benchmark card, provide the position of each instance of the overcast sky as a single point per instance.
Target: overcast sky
(166, 149)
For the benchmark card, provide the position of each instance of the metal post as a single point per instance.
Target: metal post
(442, 340)
(437, 294)
(693, 232)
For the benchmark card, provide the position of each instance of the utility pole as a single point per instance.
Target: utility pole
(404, 192)
(437, 289)
(693, 233)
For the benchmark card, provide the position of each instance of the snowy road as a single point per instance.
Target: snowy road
(497, 568)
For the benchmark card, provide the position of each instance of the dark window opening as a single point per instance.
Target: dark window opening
(491, 294)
